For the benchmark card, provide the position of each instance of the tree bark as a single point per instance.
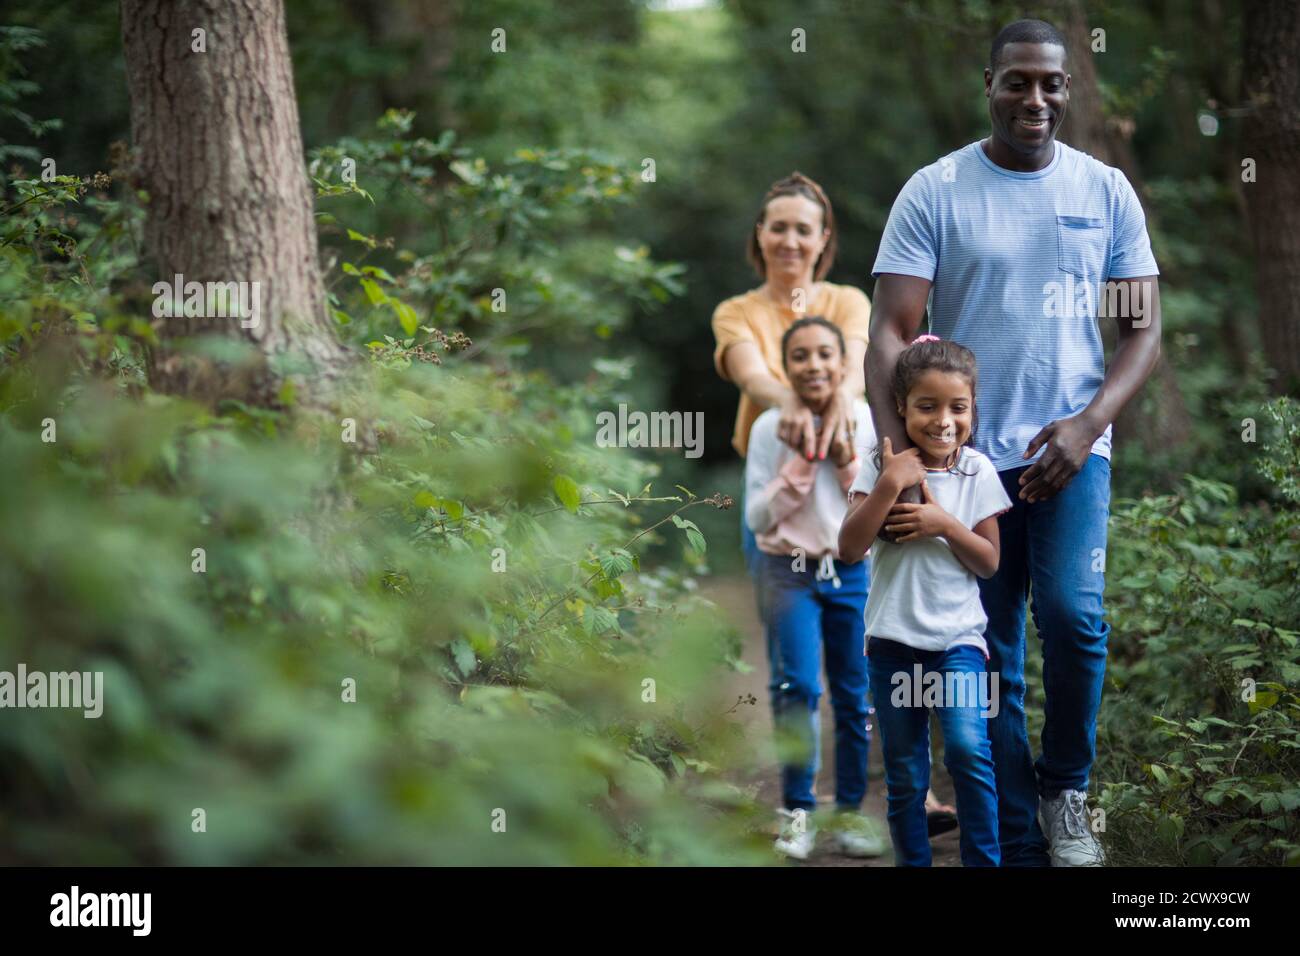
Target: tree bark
(219, 152)
(1271, 137)
(1087, 128)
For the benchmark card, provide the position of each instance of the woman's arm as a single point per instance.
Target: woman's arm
(744, 365)
(841, 418)
(855, 382)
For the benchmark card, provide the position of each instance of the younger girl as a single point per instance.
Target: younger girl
(924, 620)
(794, 505)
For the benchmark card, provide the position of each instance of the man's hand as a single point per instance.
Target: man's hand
(926, 520)
(1069, 442)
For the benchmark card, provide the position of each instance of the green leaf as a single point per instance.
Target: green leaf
(375, 294)
(598, 620)
(566, 489)
(693, 535)
(406, 315)
(463, 654)
(617, 562)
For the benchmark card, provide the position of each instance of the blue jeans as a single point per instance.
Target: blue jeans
(753, 559)
(804, 617)
(905, 730)
(1056, 550)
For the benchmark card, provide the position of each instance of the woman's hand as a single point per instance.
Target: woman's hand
(926, 520)
(838, 423)
(841, 450)
(796, 427)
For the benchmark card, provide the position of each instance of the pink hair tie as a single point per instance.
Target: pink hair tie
(926, 338)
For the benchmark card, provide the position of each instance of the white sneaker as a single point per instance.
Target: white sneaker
(856, 835)
(1064, 819)
(798, 834)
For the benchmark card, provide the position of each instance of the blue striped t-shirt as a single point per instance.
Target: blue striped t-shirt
(1018, 262)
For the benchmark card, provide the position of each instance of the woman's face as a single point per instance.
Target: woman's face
(814, 363)
(791, 238)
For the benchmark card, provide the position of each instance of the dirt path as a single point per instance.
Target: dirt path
(735, 597)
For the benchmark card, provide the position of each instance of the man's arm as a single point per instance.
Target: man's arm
(895, 320)
(1069, 440)
(899, 307)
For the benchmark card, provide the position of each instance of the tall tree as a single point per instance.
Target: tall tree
(1271, 137)
(215, 127)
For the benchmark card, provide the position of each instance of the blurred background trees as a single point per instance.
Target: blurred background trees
(713, 94)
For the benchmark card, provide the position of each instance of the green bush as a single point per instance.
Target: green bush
(469, 569)
(1199, 732)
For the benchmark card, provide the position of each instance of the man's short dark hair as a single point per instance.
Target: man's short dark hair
(1024, 31)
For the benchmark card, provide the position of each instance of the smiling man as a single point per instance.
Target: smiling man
(990, 235)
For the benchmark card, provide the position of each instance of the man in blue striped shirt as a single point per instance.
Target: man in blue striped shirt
(1019, 243)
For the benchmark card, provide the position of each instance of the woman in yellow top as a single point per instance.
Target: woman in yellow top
(792, 248)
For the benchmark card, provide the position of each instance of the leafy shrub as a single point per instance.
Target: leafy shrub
(1199, 733)
(473, 574)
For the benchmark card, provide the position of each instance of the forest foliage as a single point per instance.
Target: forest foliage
(499, 588)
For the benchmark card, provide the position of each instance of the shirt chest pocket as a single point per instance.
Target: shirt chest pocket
(1081, 246)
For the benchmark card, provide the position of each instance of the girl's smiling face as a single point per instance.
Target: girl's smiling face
(815, 364)
(791, 237)
(938, 415)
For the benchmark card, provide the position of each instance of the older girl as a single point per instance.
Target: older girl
(814, 601)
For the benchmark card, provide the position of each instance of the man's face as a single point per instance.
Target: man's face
(1028, 94)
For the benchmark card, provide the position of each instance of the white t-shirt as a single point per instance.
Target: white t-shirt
(921, 595)
(784, 517)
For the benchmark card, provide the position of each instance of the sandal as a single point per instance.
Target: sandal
(939, 817)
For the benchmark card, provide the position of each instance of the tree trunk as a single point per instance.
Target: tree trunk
(1271, 137)
(219, 152)
(1087, 128)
